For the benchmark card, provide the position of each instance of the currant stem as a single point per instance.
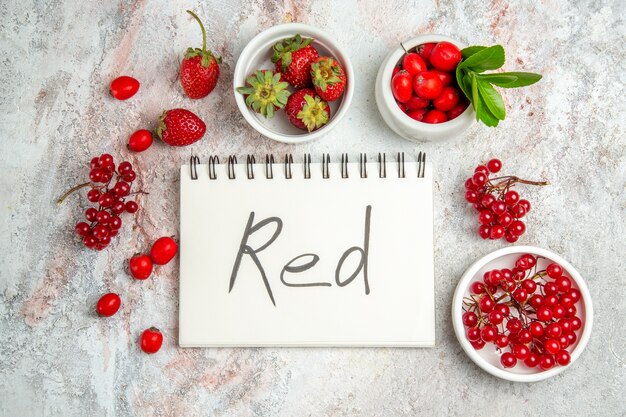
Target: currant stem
(201, 28)
(71, 190)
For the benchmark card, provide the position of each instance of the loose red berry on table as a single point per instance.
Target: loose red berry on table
(140, 140)
(108, 304)
(140, 266)
(163, 250)
(180, 127)
(124, 87)
(151, 340)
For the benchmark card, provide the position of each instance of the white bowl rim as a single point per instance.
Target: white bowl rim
(291, 29)
(387, 96)
(459, 328)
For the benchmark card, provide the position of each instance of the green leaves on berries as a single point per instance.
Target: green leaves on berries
(265, 92)
(207, 56)
(314, 113)
(326, 71)
(283, 49)
(478, 87)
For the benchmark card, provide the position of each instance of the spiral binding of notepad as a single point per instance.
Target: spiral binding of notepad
(288, 162)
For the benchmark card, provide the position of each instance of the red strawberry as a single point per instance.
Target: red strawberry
(328, 77)
(199, 69)
(265, 92)
(306, 110)
(293, 58)
(180, 127)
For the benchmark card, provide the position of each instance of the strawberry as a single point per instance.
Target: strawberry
(329, 80)
(199, 69)
(293, 58)
(180, 127)
(306, 110)
(265, 92)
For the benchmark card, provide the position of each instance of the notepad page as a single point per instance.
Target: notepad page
(306, 262)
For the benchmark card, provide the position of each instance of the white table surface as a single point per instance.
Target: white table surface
(57, 358)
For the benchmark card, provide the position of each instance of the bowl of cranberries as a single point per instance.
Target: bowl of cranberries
(522, 313)
(417, 93)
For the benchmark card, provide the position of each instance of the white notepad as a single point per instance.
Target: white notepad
(306, 261)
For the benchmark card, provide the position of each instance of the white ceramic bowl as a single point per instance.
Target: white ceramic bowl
(397, 120)
(487, 358)
(257, 55)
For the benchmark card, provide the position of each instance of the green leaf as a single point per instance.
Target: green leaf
(492, 99)
(475, 98)
(490, 58)
(471, 50)
(485, 115)
(511, 79)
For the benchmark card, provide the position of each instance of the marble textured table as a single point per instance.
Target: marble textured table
(58, 359)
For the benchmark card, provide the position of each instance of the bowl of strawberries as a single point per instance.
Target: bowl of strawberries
(417, 92)
(293, 83)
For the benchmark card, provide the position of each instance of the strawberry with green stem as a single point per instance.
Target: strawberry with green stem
(180, 127)
(265, 92)
(306, 110)
(293, 58)
(199, 70)
(329, 79)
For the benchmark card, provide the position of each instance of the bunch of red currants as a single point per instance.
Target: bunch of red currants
(425, 86)
(109, 190)
(529, 315)
(500, 208)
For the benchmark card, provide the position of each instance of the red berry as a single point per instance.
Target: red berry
(401, 86)
(446, 78)
(95, 175)
(90, 241)
(91, 213)
(563, 283)
(551, 346)
(103, 217)
(479, 178)
(413, 64)
(427, 85)
(562, 357)
(511, 198)
(95, 162)
(529, 285)
(514, 325)
(501, 341)
(415, 103)
(497, 232)
(124, 87)
(424, 51)
(93, 195)
(82, 229)
(488, 333)
(478, 344)
(140, 140)
(495, 317)
(445, 56)
(553, 330)
(457, 110)
(485, 217)
(417, 114)
(473, 334)
(448, 98)
(494, 165)
(163, 250)
(106, 200)
(508, 360)
(517, 228)
(531, 360)
(435, 117)
(487, 200)
(536, 329)
(521, 351)
(484, 231)
(395, 71)
(151, 340)
(140, 266)
(115, 223)
(470, 319)
(550, 288)
(520, 295)
(576, 323)
(477, 287)
(131, 207)
(524, 203)
(486, 304)
(546, 362)
(108, 304)
(544, 314)
(524, 336)
(498, 207)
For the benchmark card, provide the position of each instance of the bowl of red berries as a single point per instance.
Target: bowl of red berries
(293, 83)
(417, 92)
(522, 313)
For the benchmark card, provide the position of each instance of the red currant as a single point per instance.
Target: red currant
(82, 229)
(131, 207)
(508, 360)
(563, 283)
(489, 333)
(551, 346)
(521, 351)
(517, 228)
(473, 334)
(502, 341)
(494, 165)
(90, 214)
(477, 287)
(553, 330)
(576, 323)
(514, 325)
(511, 198)
(536, 329)
(497, 232)
(498, 207)
(124, 168)
(562, 357)
(478, 344)
(93, 195)
(531, 360)
(129, 177)
(484, 231)
(544, 314)
(546, 362)
(470, 318)
(486, 304)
